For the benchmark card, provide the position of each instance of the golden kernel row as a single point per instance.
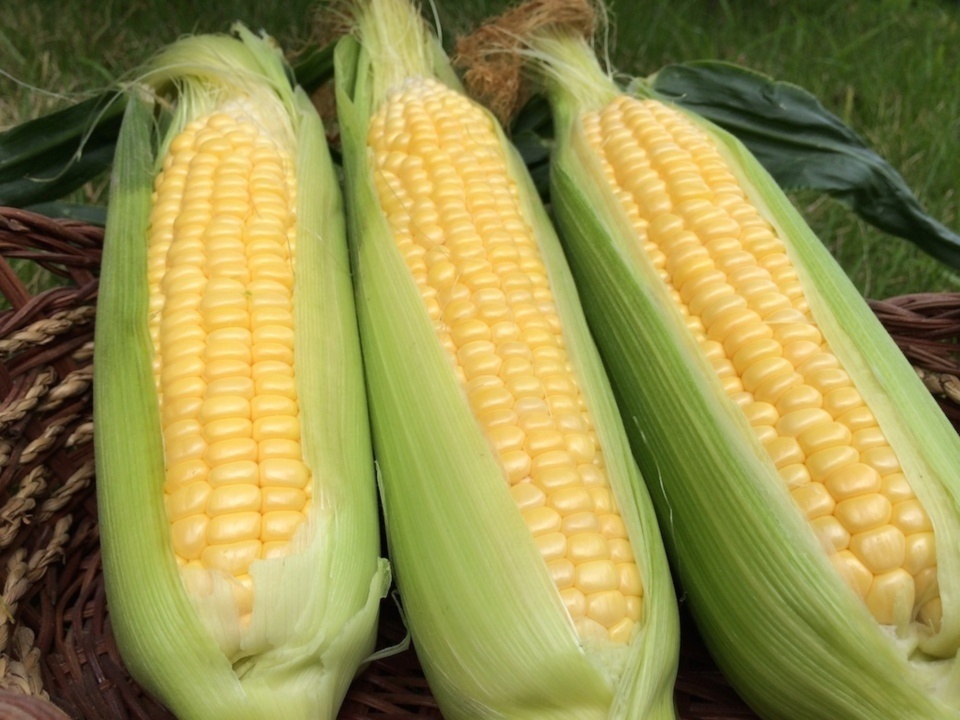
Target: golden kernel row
(734, 284)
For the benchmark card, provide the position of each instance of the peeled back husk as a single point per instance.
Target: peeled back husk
(795, 640)
(488, 624)
(315, 610)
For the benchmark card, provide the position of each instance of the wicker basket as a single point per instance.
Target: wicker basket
(55, 636)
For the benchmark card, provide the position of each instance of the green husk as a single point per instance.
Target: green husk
(794, 640)
(490, 629)
(315, 611)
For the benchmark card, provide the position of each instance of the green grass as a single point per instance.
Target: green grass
(887, 67)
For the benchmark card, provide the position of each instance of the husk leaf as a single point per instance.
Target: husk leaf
(794, 640)
(489, 626)
(315, 611)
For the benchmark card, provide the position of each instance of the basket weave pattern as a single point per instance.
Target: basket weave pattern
(55, 636)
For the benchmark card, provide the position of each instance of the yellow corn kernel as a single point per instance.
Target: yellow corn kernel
(219, 287)
(817, 430)
(498, 323)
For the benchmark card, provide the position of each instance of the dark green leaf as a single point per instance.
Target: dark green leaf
(534, 116)
(90, 214)
(804, 146)
(314, 66)
(535, 151)
(47, 158)
(532, 135)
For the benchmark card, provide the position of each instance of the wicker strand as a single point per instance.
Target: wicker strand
(23, 574)
(40, 445)
(44, 331)
(82, 435)
(84, 353)
(62, 495)
(21, 672)
(42, 558)
(14, 588)
(943, 384)
(74, 384)
(16, 511)
(18, 409)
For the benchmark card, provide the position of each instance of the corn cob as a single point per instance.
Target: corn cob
(814, 528)
(530, 568)
(235, 488)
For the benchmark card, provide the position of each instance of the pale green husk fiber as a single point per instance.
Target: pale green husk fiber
(489, 626)
(315, 611)
(795, 641)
